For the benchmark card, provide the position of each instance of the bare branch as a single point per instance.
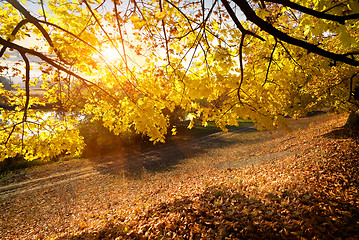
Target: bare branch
(262, 4)
(100, 25)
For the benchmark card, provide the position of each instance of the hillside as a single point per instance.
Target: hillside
(242, 184)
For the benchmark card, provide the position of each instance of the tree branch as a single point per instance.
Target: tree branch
(270, 61)
(314, 13)
(290, 56)
(165, 35)
(97, 51)
(13, 33)
(43, 9)
(120, 31)
(114, 45)
(241, 66)
(35, 21)
(237, 22)
(27, 83)
(267, 27)
(351, 86)
(52, 63)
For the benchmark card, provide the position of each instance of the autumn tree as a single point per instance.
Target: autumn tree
(131, 65)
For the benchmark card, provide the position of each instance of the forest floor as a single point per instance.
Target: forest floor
(242, 184)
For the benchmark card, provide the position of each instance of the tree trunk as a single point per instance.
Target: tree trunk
(353, 120)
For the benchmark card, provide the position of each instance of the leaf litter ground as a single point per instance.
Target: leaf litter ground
(238, 185)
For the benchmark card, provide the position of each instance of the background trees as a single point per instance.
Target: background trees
(132, 64)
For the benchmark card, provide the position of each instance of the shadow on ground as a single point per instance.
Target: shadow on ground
(342, 133)
(133, 163)
(140, 159)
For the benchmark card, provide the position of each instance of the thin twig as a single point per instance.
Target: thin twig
(111, 41)
(97, 51)
(43, 9)
(165, 35)
(290, 55)
(120, 31)
(270, 62)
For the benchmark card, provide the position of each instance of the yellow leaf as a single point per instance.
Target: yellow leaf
(190, 126)
(160, 15)
(191, 116)
(135, 19)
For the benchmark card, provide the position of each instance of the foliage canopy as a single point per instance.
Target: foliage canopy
(135, 65)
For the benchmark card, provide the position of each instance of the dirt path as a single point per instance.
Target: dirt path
(129, 164)
(69, 196)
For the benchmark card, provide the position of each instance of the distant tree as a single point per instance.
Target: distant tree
(214, 60)
(7, 84)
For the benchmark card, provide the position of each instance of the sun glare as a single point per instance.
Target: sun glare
(111, 54)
